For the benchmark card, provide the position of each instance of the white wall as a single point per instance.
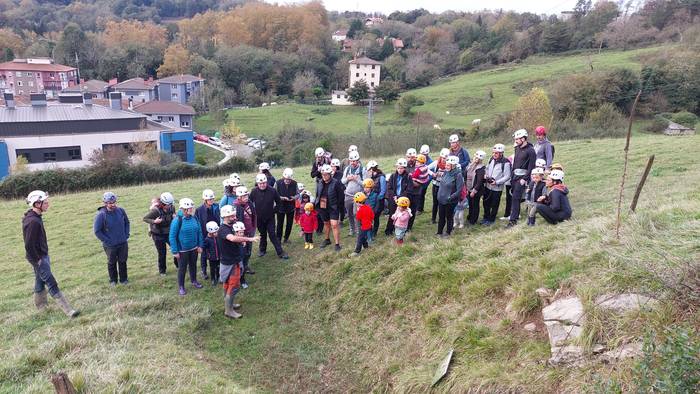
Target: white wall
(87, 142)
(365, 72)
(343, 100)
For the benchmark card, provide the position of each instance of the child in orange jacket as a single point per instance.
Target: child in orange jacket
(365, 216)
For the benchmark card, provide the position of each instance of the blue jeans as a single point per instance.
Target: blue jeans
(44, 278)
(362, 238)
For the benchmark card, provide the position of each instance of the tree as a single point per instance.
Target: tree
(356, 26)
(177, 60)
(387, 90)
(555, 37)
(406, 102)
(11, 43)
(358, 92)
(304, 84)
(532, 110)
(230, 131)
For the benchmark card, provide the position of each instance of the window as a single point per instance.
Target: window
(371, 84)
(30, 83)
(18, 74)
(179, 148)
(184, 123)
(372, 75)
(29, 74)
(19, 83)
(74, 154)
(42, 155)
(174, 96)
(52, 75)
(49, 156)
(21, 92)
(373, 67)
(357, 75)
(338, 95)
(358, 66)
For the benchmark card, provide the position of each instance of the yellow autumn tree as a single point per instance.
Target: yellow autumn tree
(230, 131)
(148, 34)
(177, 60)
(532, 110)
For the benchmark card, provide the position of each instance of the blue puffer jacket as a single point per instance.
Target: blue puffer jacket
(185, 233)
(111, 227)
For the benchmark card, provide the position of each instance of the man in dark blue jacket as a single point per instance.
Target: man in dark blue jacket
(523, 163)
(207, 212)
(112, 228)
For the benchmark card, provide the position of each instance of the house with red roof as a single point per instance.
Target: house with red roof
(36, 75)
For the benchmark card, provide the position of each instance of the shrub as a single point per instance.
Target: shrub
(686, 119)
(657, 125)
(670, 365)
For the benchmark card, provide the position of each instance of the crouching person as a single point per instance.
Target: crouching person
(37, 253)
(535, 189)
(232, 239)
(554, 207)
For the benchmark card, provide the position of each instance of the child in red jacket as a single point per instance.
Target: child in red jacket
(365, 216)
(309, 223)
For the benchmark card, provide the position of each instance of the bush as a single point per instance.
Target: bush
(686, 119)
(670, 365)
(657, 125)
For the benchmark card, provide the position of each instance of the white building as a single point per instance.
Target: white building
(340, 97)
(365, 69)
(339, 35)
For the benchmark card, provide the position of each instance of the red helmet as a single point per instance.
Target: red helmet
(540, 130)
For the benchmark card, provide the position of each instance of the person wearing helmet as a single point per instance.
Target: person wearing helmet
(396, 187)
(36, 250)
(524, 161)
(449, 195)
(420, 178)
(212, 250)
(205, 213)
(264, 168)
(352, 182)
(425, 151)
(554, 206)
(186, 242)
(321, 157)
(540, 163)
(346, 161)
(230, 185)
(544, 149)
(111, 226)
(375, 174)
(303, 196)
(159, 218)
(411, 156)
(400, 218)
(329, 203)
(266, 200)
(287, 190)
(496, 176)
(244, 212)
(372, 202)
(308, 221)
(456, 149)
(365, 218)
(534, 190)
(436, 169)
(232, 239)
(474, 180)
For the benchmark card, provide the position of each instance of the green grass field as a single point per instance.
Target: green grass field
(464, 96)
(211, 155)
(382, 322)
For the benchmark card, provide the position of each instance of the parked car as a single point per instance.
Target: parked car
(226, 146)
(214, 141)
(201, 137)
(253, 142)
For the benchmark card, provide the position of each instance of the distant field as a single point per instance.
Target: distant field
(464, 96)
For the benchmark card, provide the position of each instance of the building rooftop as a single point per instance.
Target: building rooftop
(164, 107)
(365, 60)
(135, 84)
(62, 113)
(92, 86)
(182, 78)
(23, 65)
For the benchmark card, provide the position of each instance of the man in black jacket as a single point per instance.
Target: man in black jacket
(329, 202)
(287, 190)
(37, 253)
(397, 186)
(265, 199)
(523, 164)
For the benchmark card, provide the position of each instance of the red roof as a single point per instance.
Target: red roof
(21, 66)
(164, 107)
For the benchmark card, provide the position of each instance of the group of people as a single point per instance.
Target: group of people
(220, 234)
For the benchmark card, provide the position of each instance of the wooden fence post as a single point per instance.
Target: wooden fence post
(624, 170)
(62, 384)
(633, 207)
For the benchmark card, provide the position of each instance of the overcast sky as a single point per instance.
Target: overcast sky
(388, 6)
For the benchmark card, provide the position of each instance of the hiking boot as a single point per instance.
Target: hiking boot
(196, 284)
(214, 282)
(505, 218)
(112, 284)
(283, 256)
(205, 276)
(286, 241)
(353, 254)
(512, 223)
(249, 270)
(162, 274)
(306, 245)
(261, 254)
(65, 306)
(182, 291)
(40, 300)
(126, 282)
(325, 243)
(337, 247)
(244, 285)
(530, 221)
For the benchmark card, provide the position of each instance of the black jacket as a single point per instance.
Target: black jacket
(35, 244)
(335, 191)
(524, 159)
(392, 186)
(316, 167)
(162, 229)
(265, 202)
(285, 190)
(203, 216)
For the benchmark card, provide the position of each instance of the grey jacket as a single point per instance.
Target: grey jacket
(493, 170)
(352, 186)
(450, 187)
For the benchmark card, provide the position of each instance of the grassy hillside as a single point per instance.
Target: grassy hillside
(382, 322)
(464, 96)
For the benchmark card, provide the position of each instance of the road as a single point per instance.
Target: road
(237, 150)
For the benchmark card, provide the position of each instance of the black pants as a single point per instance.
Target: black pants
(362, 240)
(518, 193)
(415, 203)
(214, 270)
(309, 237)
(389, 230)
(187, 261)
(161, 248)
(247, 251)
(266, 228)
(509, 202)
(433, 217)
(550, 215)
(446, 215)
(319, 229)
(423, 192)
(492, 199)
(378, 212)
(474, 208)
(281, 216)
(116, 262)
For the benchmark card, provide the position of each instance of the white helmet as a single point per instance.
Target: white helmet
(212, 227)
(260, 178)
(167, 198)
(208, 194)
(226, 211)
(234, 175)
(238, 226)
(444, 152)
(540, 163)
(372, 164)
(335, 163)
(186, 203)
(425, 149)
(326, 169)
(235, 182)
(319, 152)
(411, 152)
(300, 186)
(454, 138)
(522, 133)
(499, 148)
(288, 173)
(227, 182)
(264, 166)
(557, 175)
(480, 154)
(352, 148)
(241, 191)
(453, 160)
(538, 171)
(401, 162)
(354, 155)
(36, 196)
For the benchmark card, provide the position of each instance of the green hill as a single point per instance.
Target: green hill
(464, 96)
(381, 322)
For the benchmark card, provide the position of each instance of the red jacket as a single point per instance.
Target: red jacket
(365, 216)
(308, 223)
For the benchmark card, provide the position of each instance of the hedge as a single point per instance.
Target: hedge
(94, 177)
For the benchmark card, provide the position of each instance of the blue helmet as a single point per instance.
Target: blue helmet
(109, 197)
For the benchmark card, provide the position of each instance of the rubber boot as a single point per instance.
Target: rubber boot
(40, 300)
(63, 303)
(229, 305)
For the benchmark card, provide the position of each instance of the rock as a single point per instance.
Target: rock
(510, 312)
(560, 334)
(598, 348)
(569, 354)
(545, 295)
(530, 327)
(564, 318)
(569, 310)
(623, 303)
(625, 351)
